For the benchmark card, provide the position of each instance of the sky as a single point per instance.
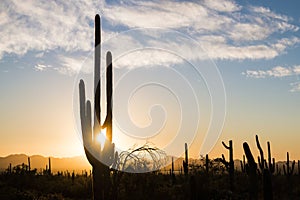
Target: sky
(200, 72)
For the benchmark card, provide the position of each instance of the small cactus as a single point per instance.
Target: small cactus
(298, 167)
(49, 170)
(9, 168)
(29, 169)
(185, 163)
(207, 163)
(172, 171)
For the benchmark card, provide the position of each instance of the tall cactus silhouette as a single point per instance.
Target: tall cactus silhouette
(49, 170)
(206, 164)
(298, 167)
(252, 172)
(100, 159)
(288, 171)
(29, 167)
(185, 162)
(229, 164)
(262, 161)
(271, 160)
(266, 170)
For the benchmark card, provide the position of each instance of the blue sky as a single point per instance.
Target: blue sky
(46, 46)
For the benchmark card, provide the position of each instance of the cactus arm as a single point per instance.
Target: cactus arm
(242, 166)
(108, 120)
(97, 71)
(293, 167)
(223, 160)
(284, 170)
(270, 159)
(261, 158)
(227, 147)
(269, 156)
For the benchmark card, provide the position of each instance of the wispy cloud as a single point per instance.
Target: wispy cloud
(41, 67)
(223, 28)
(295, 87)
(43, 25)
(222, 5)
(74, 64)
(276, 72)
(241, 32)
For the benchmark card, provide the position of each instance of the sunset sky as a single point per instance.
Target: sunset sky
(183, 71)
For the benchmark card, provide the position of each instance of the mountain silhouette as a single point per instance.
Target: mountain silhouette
(77, 163)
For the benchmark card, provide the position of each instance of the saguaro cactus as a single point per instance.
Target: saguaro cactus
(266, 170)
(9, 168)
(298, 167)
(207, 164)
(288, 171)
(185, 162)
(243, 165)
(261, 160)
(29, 169)
(100, 159)
(49, 170)
(172, 173)
(229, 165)
(271, 161)
(251, 171)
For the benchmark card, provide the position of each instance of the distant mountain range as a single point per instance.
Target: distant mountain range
(77, 163)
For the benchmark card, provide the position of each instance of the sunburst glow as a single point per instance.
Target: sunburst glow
(101, 137)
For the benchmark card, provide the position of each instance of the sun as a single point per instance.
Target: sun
(101, 137)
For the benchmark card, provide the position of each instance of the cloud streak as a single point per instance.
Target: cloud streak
(43, 25)
(295, 87)
(223, 29)
(241, 32)
(276, 72)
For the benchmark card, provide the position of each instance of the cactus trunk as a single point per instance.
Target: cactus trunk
(229, 165)
(251, 171)
(186, 161)
(207, 164)
(49, 170)
(29, 169)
